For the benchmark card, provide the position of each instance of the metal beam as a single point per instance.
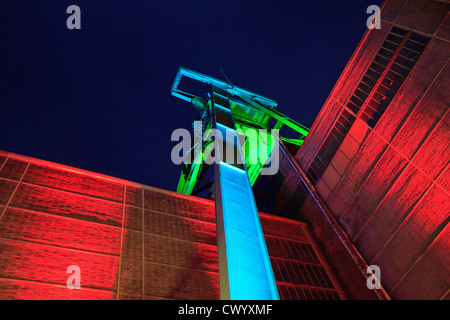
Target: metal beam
(245, 271)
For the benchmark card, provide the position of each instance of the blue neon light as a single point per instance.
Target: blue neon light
(249, 269)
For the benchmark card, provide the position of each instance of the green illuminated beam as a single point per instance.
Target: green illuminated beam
(188, 181)
(297, 142)
(281, 118)
(250, 111)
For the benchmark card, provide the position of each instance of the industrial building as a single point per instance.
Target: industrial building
(367, 185)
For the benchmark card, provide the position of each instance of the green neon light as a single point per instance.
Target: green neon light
(250, 111)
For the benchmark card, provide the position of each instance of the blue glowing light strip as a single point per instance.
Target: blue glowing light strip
(250, 274)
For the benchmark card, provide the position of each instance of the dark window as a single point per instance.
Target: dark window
(368, 80)
(381, 82)
(405, 62)
(408, 46)
(410, 54)
(390, 46)
(385, 53)
(398, 31)
(381, 60)
(353, 107)
(375, 75)
(331, 145)
(394, 38)
(357, 101)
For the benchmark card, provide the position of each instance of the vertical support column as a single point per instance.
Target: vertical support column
(245, 271)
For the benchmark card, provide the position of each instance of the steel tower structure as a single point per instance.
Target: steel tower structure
(246, 136)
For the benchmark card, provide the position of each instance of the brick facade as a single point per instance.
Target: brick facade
(130, 241)
(387, 181)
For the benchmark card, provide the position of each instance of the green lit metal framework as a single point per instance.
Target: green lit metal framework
(245, 270)
(250, 111)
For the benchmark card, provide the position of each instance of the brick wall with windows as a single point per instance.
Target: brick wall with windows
(130, 241)
(378, 153)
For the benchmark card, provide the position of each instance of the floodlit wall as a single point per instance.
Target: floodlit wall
(129, 241)
(378, 153)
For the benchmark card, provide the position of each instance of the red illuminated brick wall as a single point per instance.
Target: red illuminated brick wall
(388, 183)
(300, 269)
(130, 241)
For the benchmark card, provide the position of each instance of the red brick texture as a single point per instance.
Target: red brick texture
(130, 241)
(392, 195)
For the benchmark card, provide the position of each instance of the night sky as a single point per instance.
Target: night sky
(99, 98)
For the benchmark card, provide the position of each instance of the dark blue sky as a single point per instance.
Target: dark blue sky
(99, 98)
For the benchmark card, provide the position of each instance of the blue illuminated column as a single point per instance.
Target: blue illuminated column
(245, 271)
